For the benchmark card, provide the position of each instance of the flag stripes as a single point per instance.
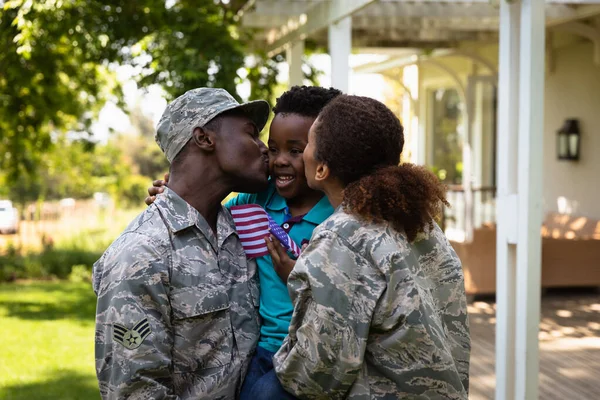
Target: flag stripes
(253, 225)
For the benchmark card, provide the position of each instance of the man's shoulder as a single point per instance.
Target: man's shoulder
(144, 241)
(148, 227)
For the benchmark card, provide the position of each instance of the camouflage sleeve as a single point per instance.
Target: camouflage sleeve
(334, 300)
(133, 327)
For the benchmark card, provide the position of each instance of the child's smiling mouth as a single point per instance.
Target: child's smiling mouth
(283, 181)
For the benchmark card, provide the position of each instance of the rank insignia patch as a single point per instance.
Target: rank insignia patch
(131, 338)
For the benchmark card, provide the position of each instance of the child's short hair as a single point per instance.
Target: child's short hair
(307, 101)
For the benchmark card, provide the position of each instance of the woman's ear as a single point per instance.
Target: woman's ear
(203, 139)
(322, 172)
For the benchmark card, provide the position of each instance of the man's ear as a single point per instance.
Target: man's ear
(204, 139)
(322, 172)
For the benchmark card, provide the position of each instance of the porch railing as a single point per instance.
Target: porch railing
(482, 211)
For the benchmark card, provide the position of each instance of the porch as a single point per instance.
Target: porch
(570, 243)
(569, 346)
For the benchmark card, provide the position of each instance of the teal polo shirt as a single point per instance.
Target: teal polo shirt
(276, 308)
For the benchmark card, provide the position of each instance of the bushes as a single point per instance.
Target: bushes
(80, 273)
(68, 260)
(131, 190)
(50, 263)
(69, 252)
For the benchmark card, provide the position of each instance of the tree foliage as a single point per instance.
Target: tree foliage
(49, 80)
(57, 70)
(58, 58)
(139, 149)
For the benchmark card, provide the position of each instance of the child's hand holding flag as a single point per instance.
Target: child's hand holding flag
(253, 225)
(260, 235)
(282, 263)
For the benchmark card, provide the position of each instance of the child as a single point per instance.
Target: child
(298, 209)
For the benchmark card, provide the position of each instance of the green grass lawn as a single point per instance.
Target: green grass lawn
(47, 341)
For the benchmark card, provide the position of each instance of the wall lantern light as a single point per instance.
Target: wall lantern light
(569, 141)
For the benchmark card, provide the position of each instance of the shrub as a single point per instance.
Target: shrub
(52, 262)
(80, 273)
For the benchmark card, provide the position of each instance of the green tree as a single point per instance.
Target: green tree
(73, 168)
(50, 80)
(140, 149)
(56, 64)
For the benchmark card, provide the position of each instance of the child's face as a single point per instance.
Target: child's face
(287, 139)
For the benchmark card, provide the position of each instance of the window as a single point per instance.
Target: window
(445, 144)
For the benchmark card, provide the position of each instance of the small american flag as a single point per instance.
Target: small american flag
(253, 225)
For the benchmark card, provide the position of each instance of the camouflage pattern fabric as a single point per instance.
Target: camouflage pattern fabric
(177, 314)
(376, 317)
(195, 108)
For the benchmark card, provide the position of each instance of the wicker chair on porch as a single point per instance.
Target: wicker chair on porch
(570, 254)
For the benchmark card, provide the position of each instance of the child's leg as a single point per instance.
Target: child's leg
(261, 363)
(269, 388)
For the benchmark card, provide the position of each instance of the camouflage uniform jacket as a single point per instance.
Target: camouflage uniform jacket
(376, 317)
(177, 307)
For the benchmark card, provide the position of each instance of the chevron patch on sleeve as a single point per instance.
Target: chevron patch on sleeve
(131, 338)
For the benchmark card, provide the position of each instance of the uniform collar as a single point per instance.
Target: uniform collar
(180, 215)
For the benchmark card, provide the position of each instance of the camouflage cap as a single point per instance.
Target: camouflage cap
(195, 108)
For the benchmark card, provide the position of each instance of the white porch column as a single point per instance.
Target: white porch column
(529, 251)
(340, 46)
(423, 103)
(506, 250)
(467, 154)
(293, 56)
(519, 213)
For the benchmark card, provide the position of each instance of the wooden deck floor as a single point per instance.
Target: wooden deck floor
(569, 347)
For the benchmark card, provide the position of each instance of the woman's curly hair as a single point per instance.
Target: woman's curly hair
(360, 140)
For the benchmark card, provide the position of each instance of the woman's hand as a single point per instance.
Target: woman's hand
(158, 186)
(282, 263)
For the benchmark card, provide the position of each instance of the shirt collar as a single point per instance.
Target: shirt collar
(180, 215)
(319, 213)
(275, 202)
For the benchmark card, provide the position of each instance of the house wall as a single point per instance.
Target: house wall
(572, 91)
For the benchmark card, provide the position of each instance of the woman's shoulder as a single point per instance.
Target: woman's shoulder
(340, 223)
(352, 230)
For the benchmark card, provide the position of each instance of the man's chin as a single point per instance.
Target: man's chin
(250, 185)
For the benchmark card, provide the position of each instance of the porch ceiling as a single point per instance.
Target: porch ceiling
(394, 23)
